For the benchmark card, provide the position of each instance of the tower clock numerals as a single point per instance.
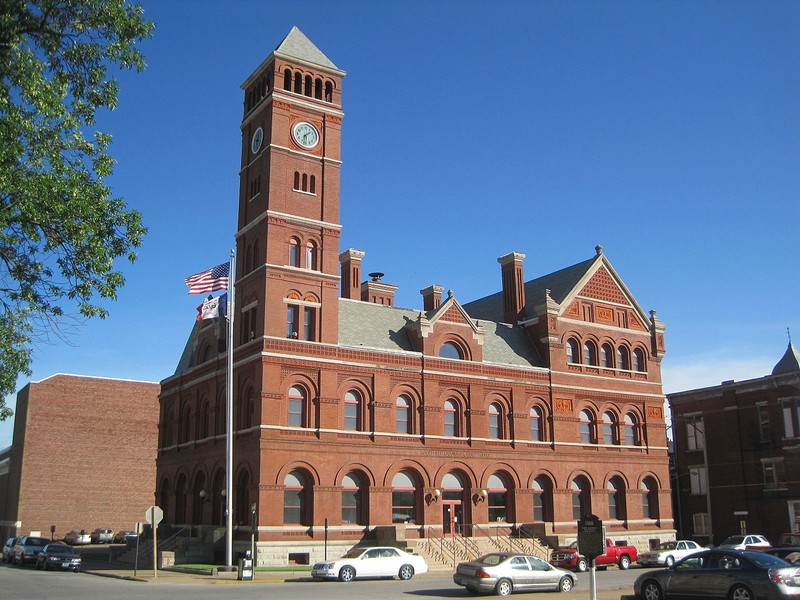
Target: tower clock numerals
(258, 138)
(305, 134)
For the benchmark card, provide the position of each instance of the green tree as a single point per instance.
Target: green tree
(60, 228)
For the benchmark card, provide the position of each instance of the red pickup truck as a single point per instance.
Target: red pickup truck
(570, 558)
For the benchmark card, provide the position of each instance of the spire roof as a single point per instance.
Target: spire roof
(297, 46)
(790, 361)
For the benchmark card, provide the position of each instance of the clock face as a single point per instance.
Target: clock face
(305, 134)
(255, 143)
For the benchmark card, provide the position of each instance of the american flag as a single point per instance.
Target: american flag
(210, 280)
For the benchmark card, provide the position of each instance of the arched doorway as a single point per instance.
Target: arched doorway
(454, 505)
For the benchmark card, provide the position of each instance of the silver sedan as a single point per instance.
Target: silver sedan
(503, 573)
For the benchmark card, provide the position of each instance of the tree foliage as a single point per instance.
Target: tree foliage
(60, 228)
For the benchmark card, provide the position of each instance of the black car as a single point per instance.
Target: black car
(27, 548)
(58, 556)
(790, 554)
(730, 574)
(8, 549)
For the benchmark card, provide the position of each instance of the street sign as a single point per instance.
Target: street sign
(591, 538)
(153, 515)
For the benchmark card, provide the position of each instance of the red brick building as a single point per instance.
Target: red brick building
(82, 456)
(737, 446)
(533, 405)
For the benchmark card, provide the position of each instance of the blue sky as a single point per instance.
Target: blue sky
(668, 132)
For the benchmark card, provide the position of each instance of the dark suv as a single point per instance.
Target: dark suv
(27, 549)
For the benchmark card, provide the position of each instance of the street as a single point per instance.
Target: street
(31, 584)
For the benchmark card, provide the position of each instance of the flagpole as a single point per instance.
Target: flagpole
(229, 419)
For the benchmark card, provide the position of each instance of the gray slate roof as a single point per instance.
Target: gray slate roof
(560, 283)
(368, 325)
(297, 45)
(789, 363)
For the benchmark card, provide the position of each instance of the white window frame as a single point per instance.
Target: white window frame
(700, 523)
(698, 480)
(695, 433)
(773, 472)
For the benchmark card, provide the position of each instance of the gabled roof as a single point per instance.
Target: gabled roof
(298, 47)
(789, 363)
(564, 285)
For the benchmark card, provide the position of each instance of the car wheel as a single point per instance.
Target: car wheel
(582, 565)
(503, 587)
(670, 561)
(565, 584)
(624, 563)
(347, 574)
(740, 592)
(652, 591)
(406, 572)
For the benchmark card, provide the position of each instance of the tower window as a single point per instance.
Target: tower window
(308, 85)
(573, 355)
(298, 83)
(318, 89)
(303, 182)
(294, 252)
(309, 323)
(287, 80)
(292, 320)
(311, 256)
(328, 91)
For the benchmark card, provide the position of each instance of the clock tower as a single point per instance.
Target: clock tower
(287, 242)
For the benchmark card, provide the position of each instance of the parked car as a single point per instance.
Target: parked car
(122, 537)
(385, 561)
(102, 536)
(789, 539)
(571, 558)
(503, 573)
(27, 548)
(78, 538)
(58, 555)
(669, 553)
(732, 574)
(8, 549)
(745, 542)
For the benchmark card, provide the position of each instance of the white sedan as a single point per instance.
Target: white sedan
(668, 553)
(384, 561)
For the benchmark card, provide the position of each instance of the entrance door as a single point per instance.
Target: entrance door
(452, 517)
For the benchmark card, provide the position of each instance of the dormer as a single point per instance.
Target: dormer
(448, 332)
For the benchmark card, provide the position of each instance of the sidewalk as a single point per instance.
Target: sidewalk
(169, 576)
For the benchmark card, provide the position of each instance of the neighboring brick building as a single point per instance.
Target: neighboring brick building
(737, 455)
(533, 405)
(83, 455)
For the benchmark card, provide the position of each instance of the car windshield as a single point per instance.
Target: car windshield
(767, 560)
(32, 541)
(668, 546)
(734, 539)
(492, 559)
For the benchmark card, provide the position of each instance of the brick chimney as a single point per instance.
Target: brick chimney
(377, 292)
(513, 287)
(431, 297)
(350, 261)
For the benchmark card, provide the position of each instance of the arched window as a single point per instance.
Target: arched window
(610, 428)
(353, 504)
(298, 83)
(631, 430)
(402, 415)
(186, 424)
(247, 409)
(298, 400)
(296, 185)
(542, 499)
(328, 91)
(294, 252)
(312, 185)
(287, 80)
(404, 498)
(164, 497)
(496, 421)
(218, 499)
(168, 437)
(203, 420)
(572, 351)
(219, 414)
(295, 499)
(198, 500)
(311, 256)
(450, 350)
(451, 419)
(581, 499)
(606, 356)
(623, 359)
(649, 490)
(638, 360)
(537, 431)
(318, 89)
(241, 497)
(616, 499)
(352, 411)
(180, 500)
(498, 498)
(308, 89)
(304, 185)
(589, 353)
(587, 428)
